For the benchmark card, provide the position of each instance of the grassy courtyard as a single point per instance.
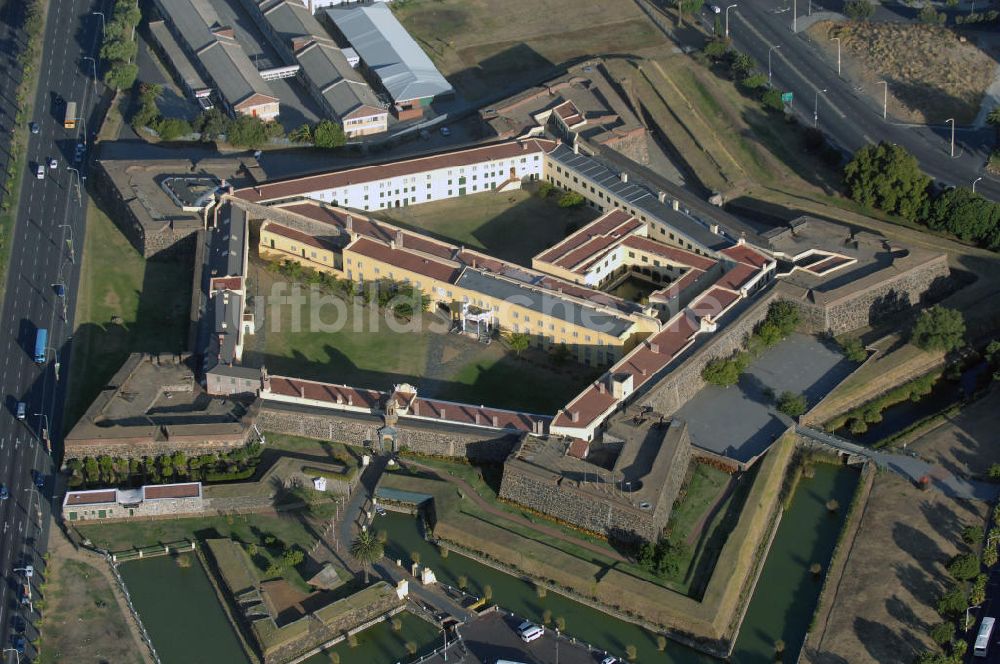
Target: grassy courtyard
(355, 345)
(126, 304)
(512, 225)
(486, 47)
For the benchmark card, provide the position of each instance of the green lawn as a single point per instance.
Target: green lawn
(702, 491)
(382, 643)
(287, 528)
(151, 299)
(513, 225)
(356, 346)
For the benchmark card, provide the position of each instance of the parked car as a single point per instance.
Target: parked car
(22, 410)
(4, 493)
(445, 131)
(610, 660)
(17, 642)
(17, 624)
(379, 510)
(529, 631)
(33, 126)
(59, 289)
(38, 478)
(716, 9)
(40, 172)
(53, 164)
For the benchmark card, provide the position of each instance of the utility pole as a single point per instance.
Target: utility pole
(952, 121)
(816, 107)
(885, 98)
(795, 16)
(974, 184)
(773, 48)
(837, 39)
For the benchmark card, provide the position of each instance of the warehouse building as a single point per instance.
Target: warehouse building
(392, 57)
(212, 50)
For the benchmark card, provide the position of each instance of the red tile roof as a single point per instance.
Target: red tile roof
(713, 302)
(311, 183)
(675, 288)
(742, 253)
(612, 225)
(578, 448)
(459, 413)
(187, 490)
(404, 259)
(227, 283)
(297, 235)
(668, 252)
(737, 277)
(91, 497)
(339, 394)
(569, 113)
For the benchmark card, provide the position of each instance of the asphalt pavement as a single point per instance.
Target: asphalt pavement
(851, 118)
(45, 250)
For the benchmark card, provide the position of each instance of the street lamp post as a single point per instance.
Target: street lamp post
(16, 653)
(79, 182)
(93, 63)
(952, 121)
(795, 16)
(727, 19)
(101, 14)
(773, 48)
(69, 240)
(44, 433)
(816, 107)
(974, 184)
(885, 98)
(837, 39)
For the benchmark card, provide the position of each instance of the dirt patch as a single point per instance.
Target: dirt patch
(966, 443)
(934, 73)
(884, 605)
(83, 621)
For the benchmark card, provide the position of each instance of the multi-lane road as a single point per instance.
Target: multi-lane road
(850, 117)
(45, 250)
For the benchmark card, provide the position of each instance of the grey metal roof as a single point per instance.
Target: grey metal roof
(342, 87)
(231, 71)
(389, 51)
(638, 197)
(544, 302)
(223, 313)
(290, 20)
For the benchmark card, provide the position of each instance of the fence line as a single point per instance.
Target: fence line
(135, 613)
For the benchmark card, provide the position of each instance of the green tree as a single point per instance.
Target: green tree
(249, 132)
(119, 50)
(854, 350)
(661, 642)
(170, 129)
(488, 592)
(328, 134)
(972, 535)
(211, 124)
(571, 199)
(993, 118)
(952, 602)
(754, 81)
(631, 652)
(686, 7)
(792, 404)
(859, 10)
(887, 177)
(716, 48)
(301, 134)
(771, 99)
(939, 328)
(943, 632)
(785, 315)
(518, 342)
(367, 550)
(742, 65)
(967, 215)
(929, 15)
(560, 354)
(121, 76)
(725, 371)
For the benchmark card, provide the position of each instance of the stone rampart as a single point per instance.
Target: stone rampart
(683, 382)
(448, 441)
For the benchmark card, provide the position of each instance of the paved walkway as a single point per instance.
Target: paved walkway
(482, 504)
(910, 467)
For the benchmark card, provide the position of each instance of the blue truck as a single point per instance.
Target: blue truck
(41, 343)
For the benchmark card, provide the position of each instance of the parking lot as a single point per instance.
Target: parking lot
(493, 637)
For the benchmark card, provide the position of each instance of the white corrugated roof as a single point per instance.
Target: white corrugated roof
(390, 52)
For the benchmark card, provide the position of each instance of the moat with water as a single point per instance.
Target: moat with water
(187, 623)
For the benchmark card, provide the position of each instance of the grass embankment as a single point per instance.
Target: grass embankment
(126, 304)
(484, 48)
(611, 583)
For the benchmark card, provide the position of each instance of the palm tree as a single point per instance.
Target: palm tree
(367, 550)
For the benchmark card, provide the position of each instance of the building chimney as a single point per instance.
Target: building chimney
(714, 228)
(443, 413)
(676, 205)
(576, 147)
(654, 347)
(601, 387)
(416, 407)
(349, 223)
(350, 400)
(524, 146)
(661, 196)
(624, 177)
(340, 398)
(496, 422)
(479, 417)
(399, 239)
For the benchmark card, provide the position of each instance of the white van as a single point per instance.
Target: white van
(529, 631)
(40, 172)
